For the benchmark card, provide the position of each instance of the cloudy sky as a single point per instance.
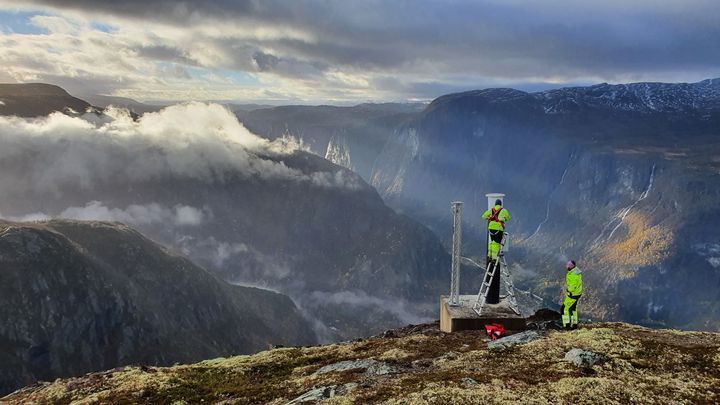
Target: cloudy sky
(325, 51)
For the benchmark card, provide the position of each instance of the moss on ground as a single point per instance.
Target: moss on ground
(638, 365)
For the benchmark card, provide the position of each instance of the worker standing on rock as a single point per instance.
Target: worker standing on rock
(573, 281)
(496, 217)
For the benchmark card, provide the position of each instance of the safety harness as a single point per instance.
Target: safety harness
(494, 216)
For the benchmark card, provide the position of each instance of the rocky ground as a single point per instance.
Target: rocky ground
(609, 363)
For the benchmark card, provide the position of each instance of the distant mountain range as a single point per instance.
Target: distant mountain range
(363, 130)
(635, 97)
(82, 296)
(133, 106)
(37, 99)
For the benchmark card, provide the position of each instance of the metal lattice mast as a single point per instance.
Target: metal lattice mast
(456, 256)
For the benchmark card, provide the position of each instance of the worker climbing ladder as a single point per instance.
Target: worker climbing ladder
(471, 312)
(490, 273)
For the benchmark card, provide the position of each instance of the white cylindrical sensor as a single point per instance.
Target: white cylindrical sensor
(491, 197)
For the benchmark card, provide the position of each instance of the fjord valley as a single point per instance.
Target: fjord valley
(312, 202)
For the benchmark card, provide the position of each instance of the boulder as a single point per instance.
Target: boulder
(314, 395)
(582, 358)
(468, 382)
(371, 367)
(514, 340)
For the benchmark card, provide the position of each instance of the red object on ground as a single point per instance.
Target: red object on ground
(495, 330)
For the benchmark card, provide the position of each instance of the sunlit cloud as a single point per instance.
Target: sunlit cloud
(350, 51)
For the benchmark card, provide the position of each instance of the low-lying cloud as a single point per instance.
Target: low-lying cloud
(180, 215)
(148, 214)
(404, 311)
(195, 140)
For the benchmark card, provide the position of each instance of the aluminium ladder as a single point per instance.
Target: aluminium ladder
(490, 275)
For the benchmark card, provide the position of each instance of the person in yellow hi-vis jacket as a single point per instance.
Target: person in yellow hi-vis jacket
(574, 285)
(496, 217)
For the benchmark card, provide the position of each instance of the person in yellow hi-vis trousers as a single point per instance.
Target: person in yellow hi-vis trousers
(496, 217)
(574, 285)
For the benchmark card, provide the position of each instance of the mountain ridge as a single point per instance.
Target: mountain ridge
(38, 99)
(638, 96)
(80, 296)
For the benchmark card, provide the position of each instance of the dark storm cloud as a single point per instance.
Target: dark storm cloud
(289, 67)
(265, 61)
(179, 12)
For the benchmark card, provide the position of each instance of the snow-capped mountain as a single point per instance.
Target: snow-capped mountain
(636, 97)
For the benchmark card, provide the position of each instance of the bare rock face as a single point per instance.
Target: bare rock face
(83, 296)
(361, 131)
(338, 152)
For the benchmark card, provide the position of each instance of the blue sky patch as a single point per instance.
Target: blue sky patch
(19, 22)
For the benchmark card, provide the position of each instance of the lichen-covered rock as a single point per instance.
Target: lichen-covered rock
(451, 355)
(371, 367)
(314, 395)
(468, 382)
(513, 340)
(422, 363)
(582, 358)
